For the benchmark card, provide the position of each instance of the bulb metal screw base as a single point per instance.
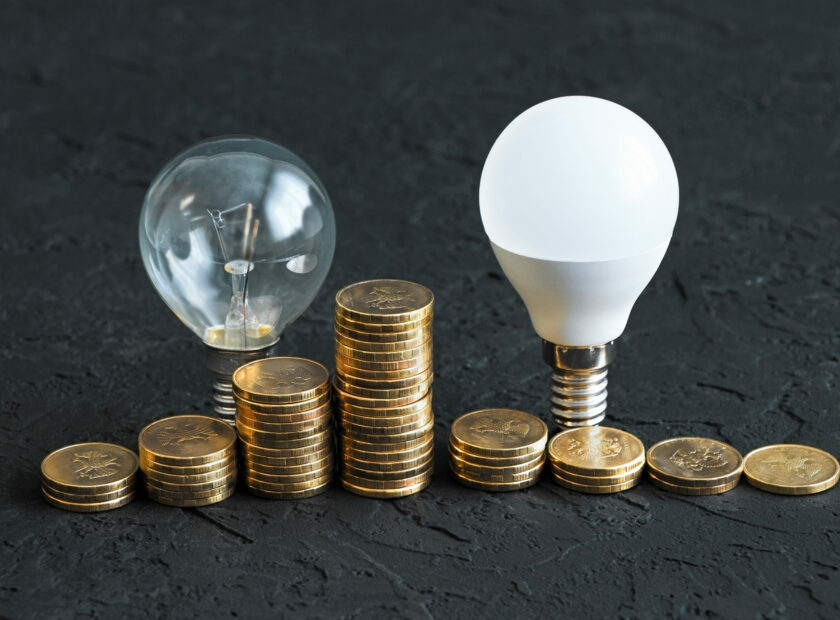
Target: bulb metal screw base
(222, 364)
(578, 383)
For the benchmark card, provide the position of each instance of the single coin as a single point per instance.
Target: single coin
(311, 492)
(368, 483)
(219, 474)
(421, 404)
(86, 506)
(693, 490)
(186, 440)
(386, 421)
(597, 489)
(88, 499)
(281, 380)
(495, 461)
(494, 487)
(596, 480)
(598, 451)
(348, 371)
(396, 384)
(89, 468)
(313, 416)
(252, 483)
(343, 398)
(191, 502)
(386, 458)
(384, 328)
(365, 491)
(250, 450)
(190, 488)
(353, 443)
(384, 301)
(499, 432)
(489, 471)
(418, 335)
(380, 347)
(294, 412)
(415, 391)
(393, 441)
(262, 477)
(271, 432)
(189, 470)
(694, 461)
(791, 469)
(290, 470)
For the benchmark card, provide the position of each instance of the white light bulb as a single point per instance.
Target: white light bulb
(579, 197)
(237, 235)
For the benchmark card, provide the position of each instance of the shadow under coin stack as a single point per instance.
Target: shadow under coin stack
(694, 466)
(188, 460)
(497, 449)
(383, 358)
(596, 459)
(89, 477)
(284, 420)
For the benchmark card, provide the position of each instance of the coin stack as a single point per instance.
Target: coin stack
(383, 358)
(284, 420)
(694, 466)
(791, 469)
(497, 449)
(188, 460)
(89, 477)
(596, 459)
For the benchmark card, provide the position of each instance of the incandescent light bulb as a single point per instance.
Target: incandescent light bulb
(237, 235)
(579, 198)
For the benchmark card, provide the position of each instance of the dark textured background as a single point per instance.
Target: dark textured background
(396, 105)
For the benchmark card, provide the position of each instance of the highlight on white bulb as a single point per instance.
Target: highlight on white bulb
(237, 235)
(579, 197)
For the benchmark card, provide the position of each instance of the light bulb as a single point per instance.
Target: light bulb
(237, 235)
(579, 198)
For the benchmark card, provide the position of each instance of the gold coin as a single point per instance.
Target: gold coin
(262, 477)
(251, 483)
(281, 432)
(250, 450)
(343, 398)
(87, 498)
(400, 483)
(365, 491)
(281, 380)
(384, 301)
(395, 384)
(352, 366)
(360, 469)
(291, 470)
(277, 442)
(489, 472)
(191, 502)
(415, 391)
(311, 416)
(386, 440)
(494, 461)
(597, 489)
(693, 490)
(387, 457)
(356, 374)
(486, 474)
(186, 440)
(791, 469)
(494, 487)
(381, 347)
(289, 494)
(598, 451)
(89, 468)
(421, 404)
(354, 443)
(373, 329)
(596, 480)
(386, 421)
(406, 355)
(189, 470)
(694, 462)
(419, 334)
(415, 423)
(294, 412)
(499, 432)
(190, 488)
(383, 466)
(252, 460)
(219, 474)
(86, 506)
(176, 495)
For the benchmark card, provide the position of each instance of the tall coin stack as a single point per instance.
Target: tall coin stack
(596, 459)
(497, 449)
(383, 358)
(188, 460)
(284, 420)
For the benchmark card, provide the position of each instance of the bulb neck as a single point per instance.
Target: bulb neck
(578, 383)
(222, 363)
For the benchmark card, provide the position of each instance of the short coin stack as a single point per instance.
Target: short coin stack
(284, 420)
(497, 449)
(188, 460)
(596, 459)
(383, 358)
(791, 469)
(89, 477)
(694, 466)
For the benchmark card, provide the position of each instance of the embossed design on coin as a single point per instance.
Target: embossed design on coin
(499, 432)
(507, 430)
(791, 469)
(699, 459)
(389, 298)
(296, 375)
(596, 452)
(94, 464)
(185, 431)
(795, 465)
(607, 447)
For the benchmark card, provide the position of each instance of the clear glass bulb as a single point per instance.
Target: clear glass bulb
(237, 235)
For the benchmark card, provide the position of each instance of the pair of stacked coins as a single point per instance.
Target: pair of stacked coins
(497, 449)
(89, 477)
(596, 459)
(694, 466)
(284, 420)
(188, 460)
(383, 357)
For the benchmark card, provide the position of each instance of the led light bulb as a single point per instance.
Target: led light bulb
(237, 235)
(579, 198)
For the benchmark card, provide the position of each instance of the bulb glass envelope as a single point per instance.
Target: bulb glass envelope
(237, 235)
(579, 197)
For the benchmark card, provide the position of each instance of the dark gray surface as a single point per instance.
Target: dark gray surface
(396, 105)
